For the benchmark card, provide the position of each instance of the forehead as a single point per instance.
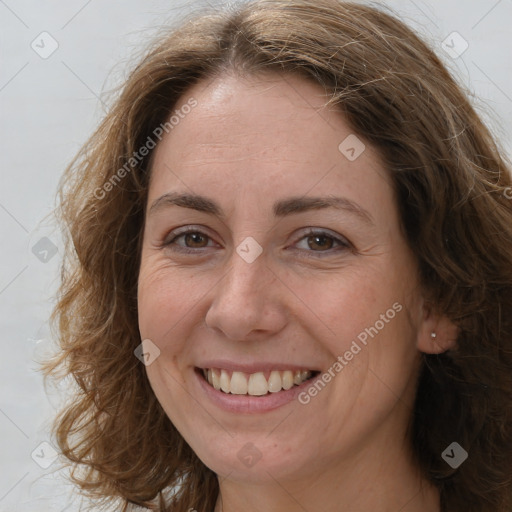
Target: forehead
(261, 136)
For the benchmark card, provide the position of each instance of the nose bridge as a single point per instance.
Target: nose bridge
(245, 300)
(246, 284)
(247, 269)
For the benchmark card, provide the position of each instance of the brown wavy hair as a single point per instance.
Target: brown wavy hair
(452, 185)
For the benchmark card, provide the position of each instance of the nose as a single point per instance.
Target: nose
(248, 301)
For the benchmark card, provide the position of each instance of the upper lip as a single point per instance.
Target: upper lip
(253, 367)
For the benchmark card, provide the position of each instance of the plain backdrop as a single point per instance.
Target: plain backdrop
(50, 103)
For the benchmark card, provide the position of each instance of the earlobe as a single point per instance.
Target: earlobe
(437, 333)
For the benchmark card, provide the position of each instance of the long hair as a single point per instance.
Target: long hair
(453, 189)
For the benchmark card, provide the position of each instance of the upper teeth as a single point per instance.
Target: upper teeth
(255, 384)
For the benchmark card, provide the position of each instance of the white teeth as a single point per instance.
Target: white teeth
(238, 384)
(254, 384)
(287, 379)
(258, 385)
(274, 382)
(215, 379)
(225, 381)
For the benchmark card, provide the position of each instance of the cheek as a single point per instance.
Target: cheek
(363, 316)
(167, 300)
(336, 308)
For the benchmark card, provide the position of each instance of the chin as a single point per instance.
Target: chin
(249, 459)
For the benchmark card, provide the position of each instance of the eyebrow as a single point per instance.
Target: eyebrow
(282, 208)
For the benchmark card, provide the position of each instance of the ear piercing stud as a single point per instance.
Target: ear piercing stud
(433, 335)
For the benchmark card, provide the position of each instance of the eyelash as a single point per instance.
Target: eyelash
(342, 243)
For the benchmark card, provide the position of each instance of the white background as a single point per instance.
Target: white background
(49, 107)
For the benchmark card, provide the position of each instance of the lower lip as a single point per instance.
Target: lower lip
(250, 404)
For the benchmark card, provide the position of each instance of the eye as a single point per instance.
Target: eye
(322, 241)
(188, 240)
(192, 240)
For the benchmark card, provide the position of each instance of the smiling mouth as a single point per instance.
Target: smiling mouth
(255, 384)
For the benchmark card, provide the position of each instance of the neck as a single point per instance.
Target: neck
(377, 495)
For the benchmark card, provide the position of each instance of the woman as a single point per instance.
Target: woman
(289, 276)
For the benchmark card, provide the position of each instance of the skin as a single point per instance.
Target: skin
(249, 143)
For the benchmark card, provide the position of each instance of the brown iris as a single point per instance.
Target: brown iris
(196, 240)
(319, 242)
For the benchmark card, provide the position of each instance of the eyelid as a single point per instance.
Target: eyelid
(187, 229)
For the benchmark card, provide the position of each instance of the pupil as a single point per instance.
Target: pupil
(320, 241)
(194, 239)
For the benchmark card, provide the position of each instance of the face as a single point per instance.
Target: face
(273, 266)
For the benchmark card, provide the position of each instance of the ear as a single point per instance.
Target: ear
(437, 333)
